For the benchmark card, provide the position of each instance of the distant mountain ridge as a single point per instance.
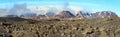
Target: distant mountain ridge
(104, 14)
(79, 15)
(44, 12)
(68, 14)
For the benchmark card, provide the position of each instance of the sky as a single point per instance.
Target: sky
(92, 5)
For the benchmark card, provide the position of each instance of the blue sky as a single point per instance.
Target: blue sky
(93, 5)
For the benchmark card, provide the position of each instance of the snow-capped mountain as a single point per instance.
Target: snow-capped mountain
(104, 14)
(83, 14)
(56, 9)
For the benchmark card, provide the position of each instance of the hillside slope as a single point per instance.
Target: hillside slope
(102, 27)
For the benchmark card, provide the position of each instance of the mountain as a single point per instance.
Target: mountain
(66, 14)
(10, 16)
(45, 9)
(21, 10)
(28, 15)
(39, 17)
(79, 15)
(103, 14)
(50, 14)
(54, 9)
(82, 14)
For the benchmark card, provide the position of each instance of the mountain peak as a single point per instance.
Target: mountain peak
(66, 14)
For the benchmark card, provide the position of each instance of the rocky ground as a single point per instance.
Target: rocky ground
(102, 27)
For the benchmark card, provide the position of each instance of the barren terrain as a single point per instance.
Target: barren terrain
(18, 27)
